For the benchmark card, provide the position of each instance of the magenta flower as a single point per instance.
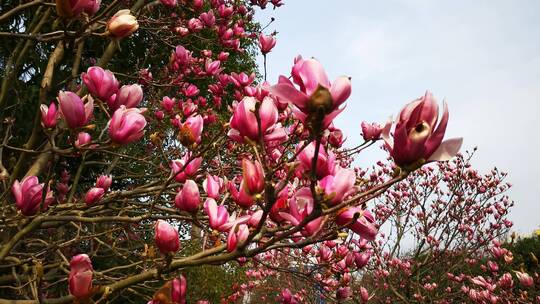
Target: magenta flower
(188, 199)
(168, 103)
(244, 121)
(417, 137)
(252, 176)
(191, 130)
(315, 94)
(325, 161)
(75, 112)
(191, 90)
(178, 290)
(128, 95)
(217, 215)
(181, 171)
(371, 131)
(208, 18)
(337, 187)
(359, 221)
(28, 194)
(266, 43)
(104, 182)
(241, 196)
(212, 186)
(126, 125)
(237, 236)
(80, 276)
(525, 279)
(100, 83)
(166, 237)
(212, 67)
(83, 138)
(93, 195)
(169, 3)
(299, 208)
(49, 115)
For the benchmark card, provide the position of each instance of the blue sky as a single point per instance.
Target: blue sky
(483, 57)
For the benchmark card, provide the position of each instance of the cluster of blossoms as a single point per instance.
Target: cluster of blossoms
(213, 165)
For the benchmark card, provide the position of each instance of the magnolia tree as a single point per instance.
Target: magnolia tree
(139, 145)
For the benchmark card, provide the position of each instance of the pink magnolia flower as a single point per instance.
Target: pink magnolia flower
(168, 103)
(343, 293)
(104, 182)
(244, 122)
(166, 237)
(100, 83)
(93, 195)
(75, 112)
(181, 171)
(49, 115)
(286, 297)
(417, 137)
(315, 93)
(237, 236)
(128, 95)
(371, 131)
(364, 294)
(83, 138)
(208, 18)
(217, 215)
(80, 276)
(358, 220)
(255, 218)
(195, 25)
(338, 186)
(188, 199)
(212, 67)
(266, 43)
(28, 194)
(241, 196)
(212, 186)
(325, 161)
(126, 125)
(122, 24)
(169, 3)
(252, 176)
(73, 8)
(525, 279)
(191, 90)
(242, 79)
(361, 259)
(299, 208)
(178, 292)
(191, 130)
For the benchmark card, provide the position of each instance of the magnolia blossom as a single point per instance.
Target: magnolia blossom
(93, 195)
(241, 195)
(83, 138)
(371, 131)
(100, 83)
(49, 115)
(73, 8)
(217, 215)
(338, 186)
(128, 95)
(185, 167)
(212, 185)
(28, 195)
(188, 199)
(237, 236)
(300, 207)
(266, 43)
(122, 24)
(315, 94)
(104, 182)
(75, 112)
(178, 290)
(252, 176)
(191, 130)
(127, 125)
(80, 276)
(169, 3)
(166, 237)
(417, 137)
(360, 221)
(244, 123)
(325, 161)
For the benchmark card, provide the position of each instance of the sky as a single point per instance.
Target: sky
(482, 57)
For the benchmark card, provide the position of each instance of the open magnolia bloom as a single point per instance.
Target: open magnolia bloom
(417, 137)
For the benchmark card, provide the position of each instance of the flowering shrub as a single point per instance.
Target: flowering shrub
(154, 150)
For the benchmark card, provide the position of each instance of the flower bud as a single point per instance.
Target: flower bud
(122, 24)
(166, 237)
